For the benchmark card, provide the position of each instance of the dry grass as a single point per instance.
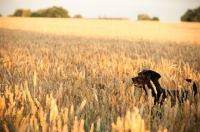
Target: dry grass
(75, 75)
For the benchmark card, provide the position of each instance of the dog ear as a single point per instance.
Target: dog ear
(154, 75)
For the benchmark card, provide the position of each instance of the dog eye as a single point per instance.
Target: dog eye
(144, 76)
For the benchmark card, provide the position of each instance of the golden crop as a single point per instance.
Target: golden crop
(75, 74)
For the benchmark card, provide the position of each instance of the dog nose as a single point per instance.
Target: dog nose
(133, 79)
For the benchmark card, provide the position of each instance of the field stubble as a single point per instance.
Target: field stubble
(62, 74)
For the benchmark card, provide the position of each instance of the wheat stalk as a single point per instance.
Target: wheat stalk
(34, 82)
(2, 106)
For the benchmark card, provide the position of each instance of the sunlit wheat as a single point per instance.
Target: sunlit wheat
(75, 75)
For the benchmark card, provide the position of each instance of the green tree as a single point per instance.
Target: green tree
(22, 13)
(56, 12)
(26, 13)
(78, 16)
(143, 17)
(18, 13)
(155, 19)
(49, 12)
(191, 15)
(39, 13)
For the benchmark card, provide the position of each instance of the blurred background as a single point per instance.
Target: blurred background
(158, 10)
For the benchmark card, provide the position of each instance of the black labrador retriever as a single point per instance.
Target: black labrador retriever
(159, 94)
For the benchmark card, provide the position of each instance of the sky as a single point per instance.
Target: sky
(165, 10)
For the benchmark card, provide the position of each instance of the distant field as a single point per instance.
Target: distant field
(128, 30)
(75, 74)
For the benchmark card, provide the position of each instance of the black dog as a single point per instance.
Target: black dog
(159, 94)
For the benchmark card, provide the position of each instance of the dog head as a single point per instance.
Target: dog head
(144, 77)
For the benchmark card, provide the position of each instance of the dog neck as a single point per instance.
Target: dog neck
(157, 85)
(159, 89)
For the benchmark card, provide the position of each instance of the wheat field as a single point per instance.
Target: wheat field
(75, 75)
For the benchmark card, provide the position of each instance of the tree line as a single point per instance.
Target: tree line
(55, 12)
(191, 15)
(146, 17)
